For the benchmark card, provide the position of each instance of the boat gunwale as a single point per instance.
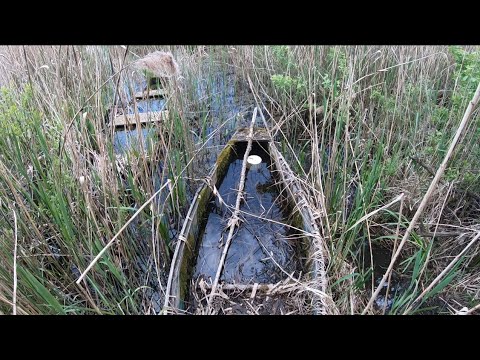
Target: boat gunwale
(173, 284)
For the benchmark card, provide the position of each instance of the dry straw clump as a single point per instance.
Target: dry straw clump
(161, 64)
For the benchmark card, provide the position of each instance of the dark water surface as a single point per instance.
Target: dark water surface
(256, 239)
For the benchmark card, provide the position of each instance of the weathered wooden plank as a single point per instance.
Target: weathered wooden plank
(143, 118)
(266, 289)
(177, 285)
(242, 287)
(259, 134)
(149, 94)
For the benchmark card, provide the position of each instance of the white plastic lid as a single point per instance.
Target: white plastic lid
(254, 159)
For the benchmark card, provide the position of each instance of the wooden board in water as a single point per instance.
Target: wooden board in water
(149, 94)
(143, 118)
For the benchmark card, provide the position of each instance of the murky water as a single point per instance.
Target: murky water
(229, 106)
(127, 139)
(381, 260)
(156, 104)
(256, 239)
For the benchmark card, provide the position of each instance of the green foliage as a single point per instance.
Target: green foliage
(467, 75)
(288, 79)
(283, 55)
(385, 102)
(335, 53)
(467, 68)
(332, 80)
(287, 83)
(440, 116)
(19, 108)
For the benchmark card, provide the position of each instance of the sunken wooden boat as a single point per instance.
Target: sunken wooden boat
(142, 114)
(156, 110)
(274, 217)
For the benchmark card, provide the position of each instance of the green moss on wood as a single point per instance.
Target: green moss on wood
(185, 267)
(203, 200)
(223, 161)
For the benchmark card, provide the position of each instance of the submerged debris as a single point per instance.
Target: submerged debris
(286, 297)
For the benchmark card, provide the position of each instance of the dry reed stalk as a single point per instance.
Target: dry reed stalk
(443, 273)
(397, 233)
(94, 261)
(429, 192)
(269, 289)
(476, 307)
(363, 218)
(15, 264)
(70, 124)
(235, 216)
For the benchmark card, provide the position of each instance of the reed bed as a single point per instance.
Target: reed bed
(365, 129)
